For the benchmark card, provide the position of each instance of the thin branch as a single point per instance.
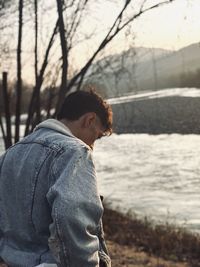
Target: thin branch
(64, 49)
(77, 19)
(80, 75)
(32, 107)
(142, 11)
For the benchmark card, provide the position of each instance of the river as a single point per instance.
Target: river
(157, 176)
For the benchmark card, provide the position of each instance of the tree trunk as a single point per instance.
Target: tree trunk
(6, 135)
(64, 49)
(19, 71)
(38, 115)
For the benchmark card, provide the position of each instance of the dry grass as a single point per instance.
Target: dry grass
(129, 256)
(162, 241)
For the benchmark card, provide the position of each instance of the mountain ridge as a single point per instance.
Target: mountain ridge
(143, 68)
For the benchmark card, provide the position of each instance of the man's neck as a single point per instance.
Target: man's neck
(73, 126)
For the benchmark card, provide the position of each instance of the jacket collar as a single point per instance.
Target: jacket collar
(59, 127)
(54, 125)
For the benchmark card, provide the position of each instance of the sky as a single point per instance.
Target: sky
(171, 27)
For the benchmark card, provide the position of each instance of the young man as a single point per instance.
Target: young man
(50, 208)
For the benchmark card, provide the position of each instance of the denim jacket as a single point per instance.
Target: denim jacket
(50, 209)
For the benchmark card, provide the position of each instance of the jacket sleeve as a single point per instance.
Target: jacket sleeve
(104, 257)
(76, 211)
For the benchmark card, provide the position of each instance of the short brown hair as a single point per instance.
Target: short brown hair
(80, 102)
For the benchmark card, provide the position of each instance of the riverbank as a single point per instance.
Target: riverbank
(136, 243)
(164, 114)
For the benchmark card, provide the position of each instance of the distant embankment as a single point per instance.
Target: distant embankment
(170, 114)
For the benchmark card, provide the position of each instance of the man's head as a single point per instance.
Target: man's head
(87, 115)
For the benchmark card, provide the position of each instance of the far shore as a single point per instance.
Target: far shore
(162, 115)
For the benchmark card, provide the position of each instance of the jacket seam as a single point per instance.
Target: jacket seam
(59, 233)
(54, 147)
(34, 189)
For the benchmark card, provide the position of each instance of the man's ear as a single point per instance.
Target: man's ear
(88, 119)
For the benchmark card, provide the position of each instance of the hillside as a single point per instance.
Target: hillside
(159, 70)
(144, 68)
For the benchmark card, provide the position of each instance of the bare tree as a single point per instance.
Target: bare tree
(36, 91)
(119, 24)
(6, 134)
(63, 44)
(70, 15)
(36, 56)
(19, 72)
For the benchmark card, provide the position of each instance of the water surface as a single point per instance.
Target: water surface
(153, 175)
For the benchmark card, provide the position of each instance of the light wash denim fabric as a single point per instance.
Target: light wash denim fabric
(47, 265)
(50, 209)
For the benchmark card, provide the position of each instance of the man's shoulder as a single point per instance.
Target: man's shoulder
(59, 141)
